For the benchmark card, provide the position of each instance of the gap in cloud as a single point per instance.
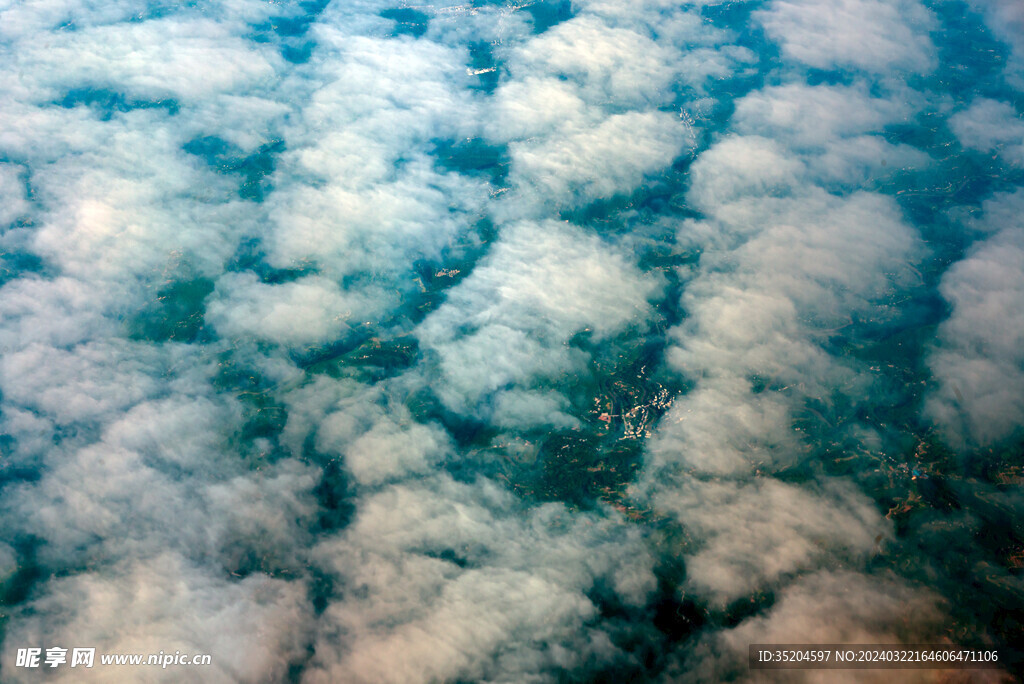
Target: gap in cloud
(956, 178)
(614, 405)
(252, 169)
(263, 415)
(473, 157)
(408, 21)
(432, 279)
(17, 264)
(177, 314)
(148, 11)
(291, 31)
(484, 65)
(830, 77)
(971, 59)
(335, 495)
(547, 14)
(606, 215)
(106, 103)
(369, 360)
(250, 256)
(16, 585)
(584, 448)
(334, 358)
(646, 634)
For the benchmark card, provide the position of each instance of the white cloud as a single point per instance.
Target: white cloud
(253, 628)
(721, 429)
(872, 35)
(579, 166)
(93, 382)
(312, 310)
(181, 58)
(835, 127)
(812, 116)
(701, 64)
(784, 263)
(449, 581)
(511, 319)
(389, 450)
(609, 64)
(534, 106)
(829, 607)
(358, 195)
(991, 126)
(12, 194)
(523, 409)
(739, 166)
(750, 536)
(375, 229)
(978, 359)
(217, 496)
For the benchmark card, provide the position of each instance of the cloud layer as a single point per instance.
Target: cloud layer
(508, 342)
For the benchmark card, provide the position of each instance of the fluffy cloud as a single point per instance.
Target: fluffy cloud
(511, 318)
(872, 35)
(991, 126)
(978, 358)
(12, 190)
(751, 536)
(447, 581)
(827, 607)
(784, 263)
(529, 107)
(611, 64)
(254, 629)
(307, 311)
(812, 116)
(613, 157)
(586, 117)
(739, 166)
(379, 439)
(156, 59)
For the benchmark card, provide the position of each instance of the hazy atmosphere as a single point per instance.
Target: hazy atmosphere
(562, 342)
